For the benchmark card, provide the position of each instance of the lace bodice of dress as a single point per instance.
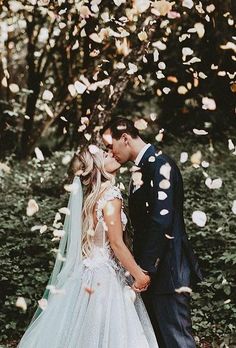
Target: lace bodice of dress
(110, 193)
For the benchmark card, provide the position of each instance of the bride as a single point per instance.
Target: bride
(90, 299)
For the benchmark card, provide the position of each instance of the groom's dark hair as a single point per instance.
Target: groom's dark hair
(119, 126)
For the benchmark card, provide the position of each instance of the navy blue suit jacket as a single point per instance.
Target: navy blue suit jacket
(160, 243)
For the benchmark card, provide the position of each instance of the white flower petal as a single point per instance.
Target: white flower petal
(151, 159)
(140, 124)
(80, 87)
(188, 3)
(230, 145)
(183, 289)
(164, 211)
(183, 157)
(165, 170)
(47, 95)
(199, 131)
(64, 210)
(162, 195)
(196, 157)
(39, 154)
(234, 207)
(21, 303)
(213, 184)
(208, 103)
(164, 184)
(199, 218)
(32, 207)
(141, 5)
(169, 237)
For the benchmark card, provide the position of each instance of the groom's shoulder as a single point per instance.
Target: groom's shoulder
(157, 158)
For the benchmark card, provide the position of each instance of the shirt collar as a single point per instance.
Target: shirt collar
(141, 153)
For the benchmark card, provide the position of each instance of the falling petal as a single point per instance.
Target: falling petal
(80, 87)
(231, 145)
(141, 124)
(93, 149)
(159, 137)
(213, 184)
(183, 157)
(200, 29)
(182, 90)
(39, 154)
(132, 68)
(165, 170)
(142, 36)
(162, 195)
(87, 136)
(164, 212)
(58, 233)
(47, 95)
(14, 88)
(161, 8)
(151, 159)
(208, 103)
(188, 3)
(21, 303)
(137, 178)
(164, 184)
(199, 131)
(90, 291)
(72, 90)
(199, 218)
(43, 229)
(205, 164)
(169, 237)
(66, 159)
(183, 289)
(234, 207)
(196, 157)
(32, 207)
(64, 210)
(95, 37)
(141, 5)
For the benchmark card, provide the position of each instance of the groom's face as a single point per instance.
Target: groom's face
(117, 147)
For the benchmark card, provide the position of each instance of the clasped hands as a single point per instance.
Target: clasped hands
(142, 283)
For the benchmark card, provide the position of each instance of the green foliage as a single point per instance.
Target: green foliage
(214, 311)
(27, 256)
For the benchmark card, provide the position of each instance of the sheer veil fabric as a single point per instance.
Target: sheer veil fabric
(69, 255)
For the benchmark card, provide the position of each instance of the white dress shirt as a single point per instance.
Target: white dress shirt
(141, 153)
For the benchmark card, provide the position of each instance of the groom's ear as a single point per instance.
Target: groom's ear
(125, 138)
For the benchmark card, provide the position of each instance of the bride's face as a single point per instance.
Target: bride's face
(110, 163)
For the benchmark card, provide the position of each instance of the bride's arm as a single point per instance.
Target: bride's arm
(112, 218)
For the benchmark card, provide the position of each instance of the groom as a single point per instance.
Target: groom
(160, 243)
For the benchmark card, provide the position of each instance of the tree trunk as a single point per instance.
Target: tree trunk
(33, 84)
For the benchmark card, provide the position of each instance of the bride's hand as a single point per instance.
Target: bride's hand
(141, 284)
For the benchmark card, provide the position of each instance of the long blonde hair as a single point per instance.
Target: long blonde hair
(90, 166)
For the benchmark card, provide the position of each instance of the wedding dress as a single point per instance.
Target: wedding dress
(95, 307)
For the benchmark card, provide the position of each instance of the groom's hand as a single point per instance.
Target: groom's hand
(141, 284)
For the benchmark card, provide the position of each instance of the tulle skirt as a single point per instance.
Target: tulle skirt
(96, 308)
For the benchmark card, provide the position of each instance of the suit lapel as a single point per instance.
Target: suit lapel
(151, 151)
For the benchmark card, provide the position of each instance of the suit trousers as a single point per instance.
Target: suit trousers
(170, 317)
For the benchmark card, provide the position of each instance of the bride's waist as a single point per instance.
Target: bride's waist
(99, 256)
